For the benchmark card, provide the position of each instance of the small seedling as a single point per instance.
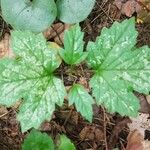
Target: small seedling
(119, 68)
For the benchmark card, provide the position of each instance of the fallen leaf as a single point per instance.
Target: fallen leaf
(5, 49)
(146, 145)
(129, 7)
(144, 105)
(56, 32)
(91, 133)
(135, 141)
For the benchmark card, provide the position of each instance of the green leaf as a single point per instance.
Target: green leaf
(34, 49)
(73, 46)
(83, 101)
(29, 76)
(38, 141)
(120, 68)
(35, 16)
(65, 144)
(74, 11)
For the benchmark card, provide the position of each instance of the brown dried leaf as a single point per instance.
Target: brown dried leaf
(129, 7)
(144, 14)
(91, 133)
(3, 110)
(5, 49)
(144, 105)
(53, 31)
(56, 32)
(135, 141)
(146, 145)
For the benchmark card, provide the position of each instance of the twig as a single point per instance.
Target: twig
(104, 124)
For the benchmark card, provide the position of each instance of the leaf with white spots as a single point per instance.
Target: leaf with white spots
(82, 100)
(121, 68)
(29, 76)
(73, 46)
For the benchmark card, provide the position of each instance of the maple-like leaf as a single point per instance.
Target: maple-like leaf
(29, 76)
(120, 68)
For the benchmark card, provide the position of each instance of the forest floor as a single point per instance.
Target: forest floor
(107, 131)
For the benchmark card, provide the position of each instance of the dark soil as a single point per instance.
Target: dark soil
(107, 131)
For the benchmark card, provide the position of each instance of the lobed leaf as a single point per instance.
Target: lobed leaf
(73, 46)
(120, 68)
(29, 76)
(82, 100)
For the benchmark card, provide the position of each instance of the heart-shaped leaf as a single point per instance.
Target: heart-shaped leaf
(33, 15)
(74, 11)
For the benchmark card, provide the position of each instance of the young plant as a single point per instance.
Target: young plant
(41, 141)
(73, 54)
(37, 15)
(119, 68)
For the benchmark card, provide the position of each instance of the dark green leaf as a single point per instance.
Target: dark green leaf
(38, 141)
(65, 144)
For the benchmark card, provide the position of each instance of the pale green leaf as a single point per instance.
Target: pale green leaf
(36, 15)
(38, 141)
(34, 49)
(73, 46)
(65, 143)
(29, 76)
(74, 11)
(40, 103)
(121, 68)
(82, 100)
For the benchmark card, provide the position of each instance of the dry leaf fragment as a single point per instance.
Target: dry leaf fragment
(56, 32)
(91, 133)
(5, 46)
(135, 141)
(144, 105)
(129, 7)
